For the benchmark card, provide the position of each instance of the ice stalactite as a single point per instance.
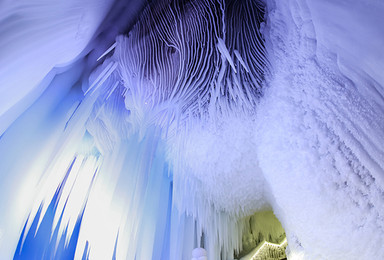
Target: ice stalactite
(181, 69)
(123, 195)
(26, 149)
(178, 71)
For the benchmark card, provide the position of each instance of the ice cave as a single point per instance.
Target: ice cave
(192, 129)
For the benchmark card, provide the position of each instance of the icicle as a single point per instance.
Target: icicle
(108, 70)
(238, 56)
(224, 51)
(107, 51)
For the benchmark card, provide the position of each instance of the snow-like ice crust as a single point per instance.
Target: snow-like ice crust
(320, 127)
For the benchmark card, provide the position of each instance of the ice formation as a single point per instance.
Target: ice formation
(146, 129)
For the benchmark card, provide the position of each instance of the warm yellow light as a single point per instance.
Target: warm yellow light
(259, 252)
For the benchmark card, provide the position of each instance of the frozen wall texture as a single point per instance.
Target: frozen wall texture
(199, 114)
(36, 36)
(321, 127)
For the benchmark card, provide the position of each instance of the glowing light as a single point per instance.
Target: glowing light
(267, 249)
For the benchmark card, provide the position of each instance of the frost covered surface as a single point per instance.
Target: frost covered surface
(321, 128)
(191, 122)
